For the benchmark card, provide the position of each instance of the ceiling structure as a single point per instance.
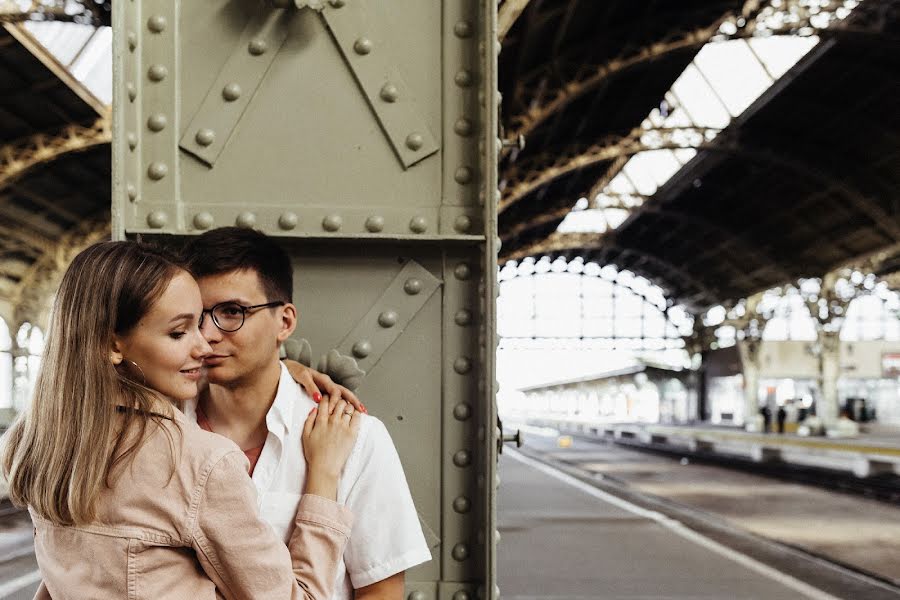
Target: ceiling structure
(54, 172)
(802, 181)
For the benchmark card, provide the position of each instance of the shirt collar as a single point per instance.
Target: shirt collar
(281, 416)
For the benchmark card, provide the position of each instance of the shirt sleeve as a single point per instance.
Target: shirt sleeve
(387, 537)
(240, 553)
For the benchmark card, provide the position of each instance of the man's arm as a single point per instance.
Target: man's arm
(386, 589)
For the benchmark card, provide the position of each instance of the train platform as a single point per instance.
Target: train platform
(564, 538)
(868, 454)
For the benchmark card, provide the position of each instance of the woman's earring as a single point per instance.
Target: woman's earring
(144, 377)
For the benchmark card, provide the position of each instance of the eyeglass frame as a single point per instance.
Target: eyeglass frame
(243, 308)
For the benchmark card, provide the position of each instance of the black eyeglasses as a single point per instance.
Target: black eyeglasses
(229, 316)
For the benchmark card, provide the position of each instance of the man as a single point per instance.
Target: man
(246, 281)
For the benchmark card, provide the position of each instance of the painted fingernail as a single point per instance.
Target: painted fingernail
(364, 409)
(317, 397)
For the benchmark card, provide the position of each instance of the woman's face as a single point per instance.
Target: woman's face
(166, 344)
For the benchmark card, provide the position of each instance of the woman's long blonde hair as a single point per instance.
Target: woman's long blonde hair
(62, 450)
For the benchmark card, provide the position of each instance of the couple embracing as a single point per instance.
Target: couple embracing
(146, 479)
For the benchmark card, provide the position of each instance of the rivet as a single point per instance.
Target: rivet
(132, 41)
(418, 224)
(463, 175)
(332, 223)
(462, 365)
(362, 349)
(463, 458)
(246, 219)
(463, 317)
(388, 318)
(157, 170)
(462, 29)
(203, 220)
(131, 91)
(205, 137)
(412, 286)
(157, 219)
(463, 78)
(461, 595)
(463, 127)
(132, 140)
(414, 141)
(389, 92)
(288, 221)
(157, 122)
(131, 191)
(462, 411)
(257, 47)
(462, 504)
(156, 23)
(336, 3)
(462, 223)
(362, 46)
(374, 224)
(231, 92)
(417, 595)
(496, 536)
(462, 271)
(157, 72)
(460, 552)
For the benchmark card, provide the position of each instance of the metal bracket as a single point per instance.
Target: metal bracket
(368, 57)
(389, 316)
(228, 98)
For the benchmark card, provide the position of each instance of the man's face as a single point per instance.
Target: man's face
(239, 356)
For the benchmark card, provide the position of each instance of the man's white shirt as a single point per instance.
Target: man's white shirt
(387, 537)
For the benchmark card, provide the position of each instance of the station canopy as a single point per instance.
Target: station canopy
(715, 148)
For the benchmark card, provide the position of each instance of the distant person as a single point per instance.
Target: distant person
(767, 418)
(781, 416)
(246, 283)
(128, 497)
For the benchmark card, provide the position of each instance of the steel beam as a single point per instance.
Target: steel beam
(21, 155)
(507, 14)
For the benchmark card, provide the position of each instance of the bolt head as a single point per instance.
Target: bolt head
(418, 225)
(463, 458)
(257, 47)
(156, 23)
(336, 3)
(463, 318)
(132, 140)
(288, 221)
(462, 365)
(462, 505)
(462, 29)
(463, 175)
(362, 46)
(332, 223)
(460, 552)
(131, 191)
(246, 220)
(389, 92)
(157, 72)
(463, 127)
(462, 223)
(156, 122)
(414, 141)
(131, 91)
(132, 41)
(462, 271)
(203, 220)
(157, 219)
(463, 78)
(462, 411)
(231, 92)
(157, 170)
(205, 137)
(388, 318)
(375, 224)
(362, 349)
(412, 286)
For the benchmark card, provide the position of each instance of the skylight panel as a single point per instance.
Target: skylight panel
(638, 172)
(699, 100)
(735, 74)
(780, 53)
(594, 220)
(84, 50)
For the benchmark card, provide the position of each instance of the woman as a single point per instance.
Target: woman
(129, 499)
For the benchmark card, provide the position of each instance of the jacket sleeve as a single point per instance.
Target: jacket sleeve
(240, 552)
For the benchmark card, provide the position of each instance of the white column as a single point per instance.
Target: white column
(829, 371)
(750, 361)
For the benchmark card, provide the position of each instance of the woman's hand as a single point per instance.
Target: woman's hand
(329, 435)
(316, 383)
